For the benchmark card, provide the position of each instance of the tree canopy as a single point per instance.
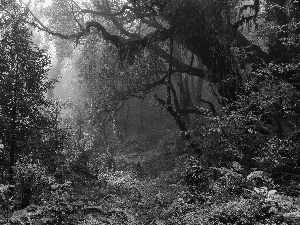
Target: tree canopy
(212, 31)
(229, 39)
(167, 112)
(26, 116)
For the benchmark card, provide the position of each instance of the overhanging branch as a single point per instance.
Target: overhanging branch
(54, 33)
(130, 45)
(180, 67)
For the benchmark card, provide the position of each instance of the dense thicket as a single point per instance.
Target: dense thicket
(218, 143)
(29, 129)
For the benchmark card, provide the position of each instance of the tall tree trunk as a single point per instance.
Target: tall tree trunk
(126, 121)
(12, 148)
(11, 161)
(182, 82)
(54, 74)
(142, 126)
(116, 129)
(185, 97)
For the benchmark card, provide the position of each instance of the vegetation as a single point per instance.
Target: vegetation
(179, 112)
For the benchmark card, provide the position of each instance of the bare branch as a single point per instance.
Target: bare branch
(120, 27)
(175, 99)
(145, 89)
(63, 36)
(180, 67)
(114, 39)
(76, 20)
(181, 123)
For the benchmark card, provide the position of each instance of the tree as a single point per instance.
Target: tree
(23, 83)
(261, 128)
(212, 32)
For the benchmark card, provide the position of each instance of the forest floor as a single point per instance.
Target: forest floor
(155, 193)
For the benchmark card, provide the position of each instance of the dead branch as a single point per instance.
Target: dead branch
(181, 124)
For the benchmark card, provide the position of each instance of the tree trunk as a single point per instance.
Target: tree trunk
(12, 148)
(142, 126)
(126, 122)
(25, 195)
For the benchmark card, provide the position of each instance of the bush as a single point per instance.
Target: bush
(59, 206)
(31, 181)
(6, 202)
(61, 203)
(281, 158)
(37, 197)
(218, 183)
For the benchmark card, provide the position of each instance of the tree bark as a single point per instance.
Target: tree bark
(12, 148)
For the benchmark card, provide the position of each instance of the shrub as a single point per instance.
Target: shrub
(213, 179)
(31, 181)
(6, 202)
(281, 158)
(61, 203)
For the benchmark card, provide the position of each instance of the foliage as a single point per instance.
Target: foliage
(109, 85)
(24, 116)
(281, 159)
(60, 19)
(60, 204)
(38, 197)
(230, 138)
(31, 181)
(6, 201)
(227, 196)
(248, 169)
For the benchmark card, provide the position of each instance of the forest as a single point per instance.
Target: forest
(150, 112)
